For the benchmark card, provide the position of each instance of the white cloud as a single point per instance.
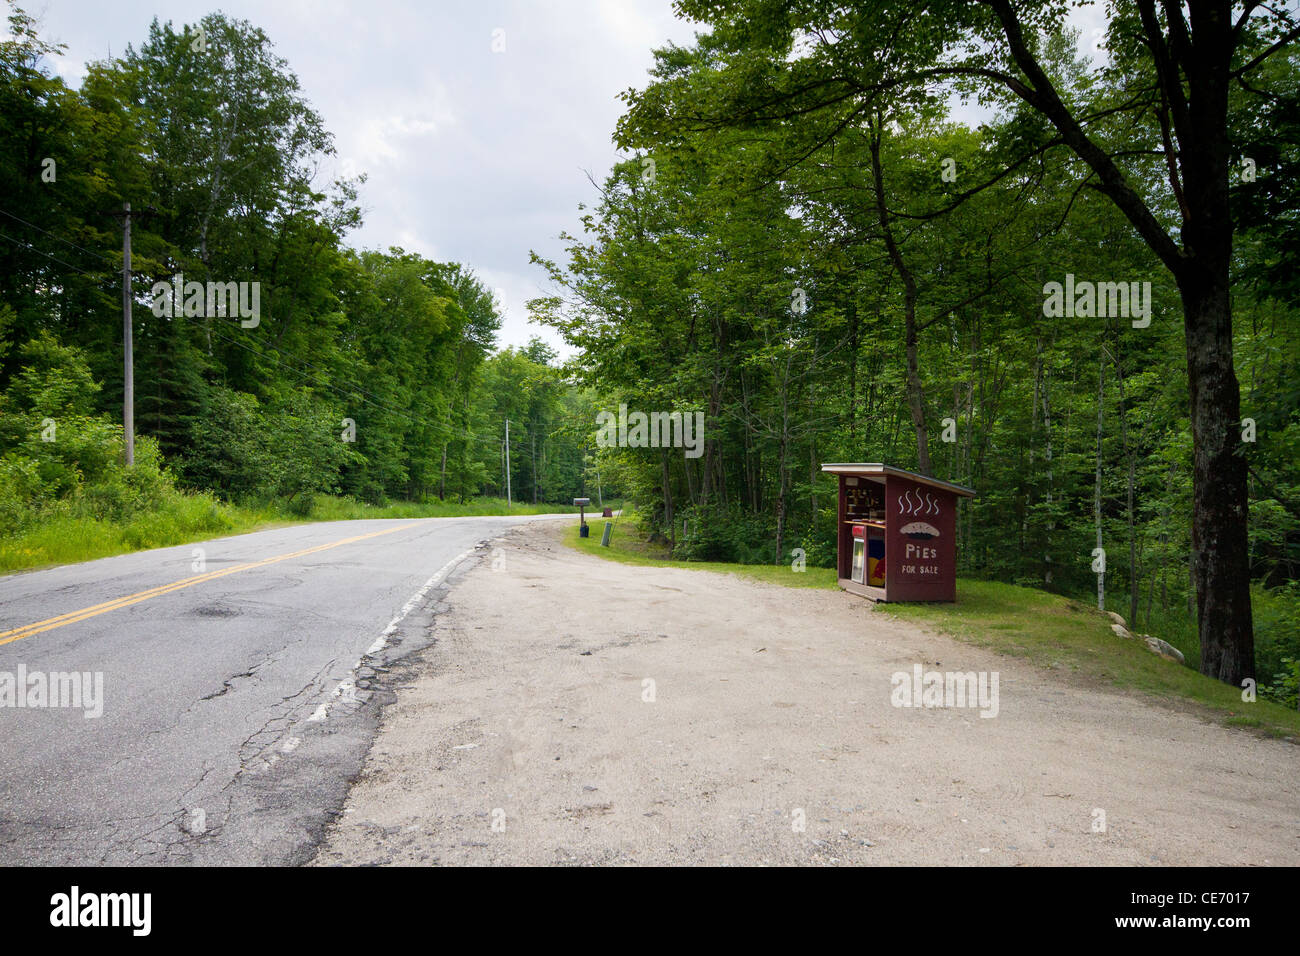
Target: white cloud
(389, 139)
(471, 155)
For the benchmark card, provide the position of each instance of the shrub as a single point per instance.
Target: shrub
(1276, 613)
(730, 534)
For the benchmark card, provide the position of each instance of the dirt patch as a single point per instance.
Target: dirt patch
(581, 711)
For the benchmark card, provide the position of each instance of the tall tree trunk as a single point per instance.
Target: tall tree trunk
(783, 470)
(1127, 448)
(1193, 60)
(915, 392)
(668, 499)
(1033, 437)
(956, 417)
(1096, 499)
(442, 475)
(812, 472)
(854, 325)
(1047, 456)
(1220, 547)
(710, 443)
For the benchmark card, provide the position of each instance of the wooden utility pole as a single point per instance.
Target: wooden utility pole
(507, 463)
(128, 360)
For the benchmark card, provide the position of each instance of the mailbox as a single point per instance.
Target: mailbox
(897, 533)
(581, 504)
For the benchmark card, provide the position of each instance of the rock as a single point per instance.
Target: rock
(1120, 630)
(1164, 649)
(1117, 619)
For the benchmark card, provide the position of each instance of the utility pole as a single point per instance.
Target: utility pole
(507, 463)
(128, 359)
(128, 379)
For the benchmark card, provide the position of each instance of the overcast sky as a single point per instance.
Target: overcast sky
(473, 155)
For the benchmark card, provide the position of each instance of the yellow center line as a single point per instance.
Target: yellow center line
(18, 633)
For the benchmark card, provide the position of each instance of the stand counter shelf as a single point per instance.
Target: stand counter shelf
(897, 533)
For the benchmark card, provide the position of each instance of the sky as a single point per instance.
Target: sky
(474, 121)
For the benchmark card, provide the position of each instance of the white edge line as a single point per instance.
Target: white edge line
(346, 688)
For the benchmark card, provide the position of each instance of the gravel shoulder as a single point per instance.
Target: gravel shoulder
(528, 732)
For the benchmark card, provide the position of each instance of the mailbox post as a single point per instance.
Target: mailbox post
(582, 503)
(896, 533)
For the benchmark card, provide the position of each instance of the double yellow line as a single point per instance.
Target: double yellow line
(18, 633)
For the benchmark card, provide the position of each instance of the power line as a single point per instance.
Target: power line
(88, 252)
(27, 245)
(352, 393)
(284, 352)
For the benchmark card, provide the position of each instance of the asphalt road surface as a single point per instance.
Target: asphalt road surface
(241, 685)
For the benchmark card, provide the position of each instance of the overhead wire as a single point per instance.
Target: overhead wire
(352, 393)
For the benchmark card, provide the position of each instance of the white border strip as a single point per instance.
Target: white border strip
(346, 689)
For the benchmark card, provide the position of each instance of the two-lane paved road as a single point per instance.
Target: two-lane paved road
(240, 688)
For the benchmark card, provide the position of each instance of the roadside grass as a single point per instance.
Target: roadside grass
(183, 518)
(628, 547)
(1047, 630)
(333, 508)
(66, 539)
(1057, 632)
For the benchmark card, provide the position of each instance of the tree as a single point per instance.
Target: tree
(1164, 99)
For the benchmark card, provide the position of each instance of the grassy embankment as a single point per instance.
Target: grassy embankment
(182, 518)
(1047, 630)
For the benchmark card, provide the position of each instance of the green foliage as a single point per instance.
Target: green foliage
(923, 342)
(217, 151)
(798, 159)
(54, 380)
(731, 535)
(1285, 687)
(1277, 637)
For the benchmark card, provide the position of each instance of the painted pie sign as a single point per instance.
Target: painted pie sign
(920, 512)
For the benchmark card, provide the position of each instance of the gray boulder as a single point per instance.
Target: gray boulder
(1164, 649)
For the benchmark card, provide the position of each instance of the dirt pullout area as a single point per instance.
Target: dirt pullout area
(530, 734)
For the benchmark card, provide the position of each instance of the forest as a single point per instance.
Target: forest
(959, 238)
(370, 376)
(967, 241)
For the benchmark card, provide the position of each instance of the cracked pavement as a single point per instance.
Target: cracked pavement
(235, 711)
